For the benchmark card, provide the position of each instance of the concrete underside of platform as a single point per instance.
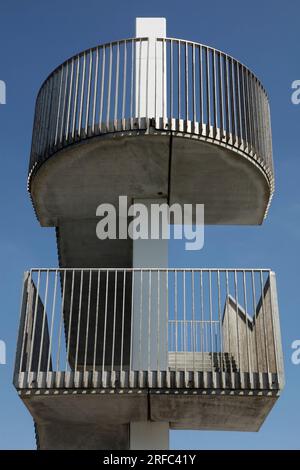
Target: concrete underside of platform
(69, 186)
(101, 421)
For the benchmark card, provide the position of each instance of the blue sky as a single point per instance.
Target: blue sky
(35, 37)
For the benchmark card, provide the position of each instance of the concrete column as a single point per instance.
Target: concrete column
(149, 436)
(150, 335)
(151, 60)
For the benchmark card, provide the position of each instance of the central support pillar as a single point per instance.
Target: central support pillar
(150, 326)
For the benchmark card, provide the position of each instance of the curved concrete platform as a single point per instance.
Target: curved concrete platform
(69, 186)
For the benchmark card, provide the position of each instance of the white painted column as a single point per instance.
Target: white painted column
(149, 348)
(150, 70)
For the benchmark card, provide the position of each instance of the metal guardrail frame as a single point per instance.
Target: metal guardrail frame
(207, 93)
(137, 328)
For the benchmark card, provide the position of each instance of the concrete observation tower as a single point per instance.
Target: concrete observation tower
(114, 347)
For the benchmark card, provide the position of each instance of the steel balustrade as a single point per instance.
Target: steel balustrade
(196, 90)
(139, 328)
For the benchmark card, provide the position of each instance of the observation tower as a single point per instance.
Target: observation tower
(114, 347)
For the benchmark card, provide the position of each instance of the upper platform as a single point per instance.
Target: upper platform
(152, 116)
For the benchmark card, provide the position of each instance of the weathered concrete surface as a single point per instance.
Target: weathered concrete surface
(69, 186)
(212, 412)
(85, 421)
(100, 421)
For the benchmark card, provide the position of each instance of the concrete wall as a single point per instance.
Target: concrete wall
(251, 341)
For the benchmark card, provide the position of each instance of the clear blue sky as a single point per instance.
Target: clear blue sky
(35, 36)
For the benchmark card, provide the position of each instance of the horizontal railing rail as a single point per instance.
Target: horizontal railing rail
(137, 328)
(171, 84)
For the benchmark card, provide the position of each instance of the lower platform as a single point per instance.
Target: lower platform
(99, 419)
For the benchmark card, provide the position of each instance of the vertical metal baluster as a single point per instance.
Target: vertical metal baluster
(61, 321)
(238, 104)
(70, 321)
(254, 319)
(215, 121)
(256, 113)
(139, 79)
(124, 83)
(193, 332)
(171, 80)
(250, 135)
(34, 321)
(264, 322)
(131, 322)
(82, 94)
(245, 116)
(155, 80)
(133, 46)
(210, 319)
(114, 323)
(43, 322)
(167, 308)
(232, 103)
(250, 108)
(176, 320)
(79, 320)
(52, 321)
(44, 141)
(194, 84)
(68, 121)
(105, 325)
(26, 320)
(102, 89)
(95, 90)
(163, 82)
(158, 321)
(52, 112)
(201, 87)
(141, 311)
(64, 102)
(87, 322)
(207, 70)
(219, 332)
(186, 82)
(228, 324)
(149, 325)
(96, 320)
(76, 98)
(117, 85)
(179, 81)
(221, 94)
(246, 323)
(184, 326)
(88, 98)
(147, 81)
(237, 318)
(123, 317)
(226, 97)
(109, 87)
(61, 71)
(202, 318)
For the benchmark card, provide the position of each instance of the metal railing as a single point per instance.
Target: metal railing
(139, 328)
(170, 84)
